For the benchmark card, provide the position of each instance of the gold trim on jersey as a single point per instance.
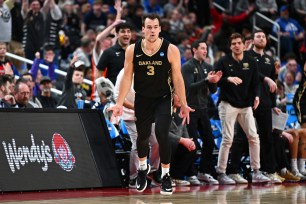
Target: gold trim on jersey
(298, 102)
(171, 90)
(142, 48)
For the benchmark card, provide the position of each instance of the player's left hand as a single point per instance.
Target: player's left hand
(184, 113)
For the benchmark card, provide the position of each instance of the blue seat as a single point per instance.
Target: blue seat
(216, 131)
(292, 120)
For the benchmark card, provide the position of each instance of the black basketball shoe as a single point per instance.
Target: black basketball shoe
(166, 186)
(141, 180)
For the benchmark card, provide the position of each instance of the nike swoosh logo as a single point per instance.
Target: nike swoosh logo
(168, 189)
(138, 55)
(137, 186)
(117, 53)
(230, 65)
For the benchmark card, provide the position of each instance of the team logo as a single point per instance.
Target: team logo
(245, 66)
(267, 60)
(62, 153)
(162, 54)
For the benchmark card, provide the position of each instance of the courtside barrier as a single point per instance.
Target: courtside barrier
(55, 149)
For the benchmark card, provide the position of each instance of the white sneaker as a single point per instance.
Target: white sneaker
(225, 180)
(298, 174)
(274, 178)
(194, 181)
(258, 177)
(207, 178)
(238, 178)
(179, 182)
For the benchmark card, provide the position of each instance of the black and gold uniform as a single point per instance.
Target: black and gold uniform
(153, 98)
(299, 100)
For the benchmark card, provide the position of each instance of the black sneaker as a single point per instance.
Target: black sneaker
(132, 183)
(141, 180)
(155, 177)
(166, 186)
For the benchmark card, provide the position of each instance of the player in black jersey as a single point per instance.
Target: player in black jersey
(157, 70)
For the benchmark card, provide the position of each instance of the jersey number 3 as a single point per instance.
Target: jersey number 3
(150, 70)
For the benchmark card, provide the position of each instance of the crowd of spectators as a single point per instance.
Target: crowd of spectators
(72, 35)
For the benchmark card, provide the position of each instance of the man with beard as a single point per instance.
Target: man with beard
(7, 100)
(239, 92)
(112, 59)
(263, 114)
(46, 99)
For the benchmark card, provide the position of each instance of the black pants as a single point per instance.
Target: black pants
(263, 118)
(182, 163)
(280, 146)
(158, 111)
(199, 122)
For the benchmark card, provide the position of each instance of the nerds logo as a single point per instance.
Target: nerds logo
(18, 156)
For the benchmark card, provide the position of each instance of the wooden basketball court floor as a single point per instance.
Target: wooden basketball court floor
(294, 193)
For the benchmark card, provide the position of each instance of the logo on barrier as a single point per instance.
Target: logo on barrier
(62, 153)
(18, 156)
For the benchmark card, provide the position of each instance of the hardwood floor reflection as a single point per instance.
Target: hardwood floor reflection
(294, 193)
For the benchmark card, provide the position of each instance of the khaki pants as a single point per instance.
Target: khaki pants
(228, 116)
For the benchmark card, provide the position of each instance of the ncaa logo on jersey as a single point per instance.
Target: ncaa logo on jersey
(162, 54)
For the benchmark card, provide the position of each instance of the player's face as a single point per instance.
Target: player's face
(237, 46)
(201, 52)
(124, 36)
(151, 29)
(260, 40)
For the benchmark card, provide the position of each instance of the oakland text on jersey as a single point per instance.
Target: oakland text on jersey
(141, 63)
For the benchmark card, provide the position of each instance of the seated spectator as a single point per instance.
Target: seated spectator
(6, 67)
(22, 94)
(183, 150)
(293, 67)
(46, 98)
(298, 152)
(187, 55)
(290, 87)
(281, 99)
(28, 78)
(72, 89)
(291, 32)
(7, 100)
(282, 139)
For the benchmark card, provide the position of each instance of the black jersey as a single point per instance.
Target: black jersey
(152, 74)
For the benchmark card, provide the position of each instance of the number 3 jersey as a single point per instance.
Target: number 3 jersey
(152, 73)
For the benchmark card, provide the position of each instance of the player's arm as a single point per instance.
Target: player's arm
(178, 82)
